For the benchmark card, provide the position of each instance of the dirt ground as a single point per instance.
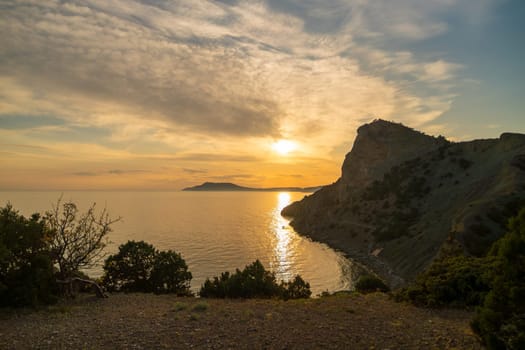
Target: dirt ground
(146, 321)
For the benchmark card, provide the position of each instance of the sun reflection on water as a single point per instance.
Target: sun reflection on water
(284, 240)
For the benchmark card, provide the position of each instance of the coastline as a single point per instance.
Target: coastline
(366, 262)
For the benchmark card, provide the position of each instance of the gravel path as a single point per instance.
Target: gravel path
(144, 321)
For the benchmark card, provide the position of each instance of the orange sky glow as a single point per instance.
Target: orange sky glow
(162, 95)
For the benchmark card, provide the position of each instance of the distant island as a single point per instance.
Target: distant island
(228, 186)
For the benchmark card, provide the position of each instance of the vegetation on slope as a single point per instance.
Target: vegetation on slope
(402, 195)
(370, 284)
(493, 283)
(500, 321)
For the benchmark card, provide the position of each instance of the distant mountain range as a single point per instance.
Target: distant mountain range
(228, 186)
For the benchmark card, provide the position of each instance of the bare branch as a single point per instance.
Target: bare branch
(77, 240)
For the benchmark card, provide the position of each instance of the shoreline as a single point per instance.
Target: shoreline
(366, 262)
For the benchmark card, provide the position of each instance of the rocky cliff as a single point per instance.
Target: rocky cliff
(404, 198)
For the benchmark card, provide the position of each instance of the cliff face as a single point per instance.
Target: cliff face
(381, 145)
(405, 197)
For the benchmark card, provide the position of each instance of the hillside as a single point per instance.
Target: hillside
(405, 197)
(147, 321)
(228, 186)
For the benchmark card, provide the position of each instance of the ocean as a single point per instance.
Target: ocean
(214, 231)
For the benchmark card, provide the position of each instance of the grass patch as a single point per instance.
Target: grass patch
(59, 309)
(179, 306)
(248, 314)
(200, 307)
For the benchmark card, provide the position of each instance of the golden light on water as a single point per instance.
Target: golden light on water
(283, 200)
(284, 247)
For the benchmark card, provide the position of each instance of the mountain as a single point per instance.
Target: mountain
(227, 186)
(405, 198)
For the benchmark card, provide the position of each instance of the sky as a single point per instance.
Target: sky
(164, 94)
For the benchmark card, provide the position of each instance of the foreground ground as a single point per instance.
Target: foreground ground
(142, 321)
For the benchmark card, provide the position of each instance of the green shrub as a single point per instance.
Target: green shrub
(295, 289)
(454, 281)
(179, 306)
(200, 307)
(500, 322)
(369, 283)
(170, 273)
(253, 282)
(26, 267)
(139, 267)
(130, 269)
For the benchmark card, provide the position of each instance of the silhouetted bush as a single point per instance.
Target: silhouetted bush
(170, 273)
(370, 284)
(501, 320)
(295, 289)
(26, 267)
(253, 282)
(139, 267)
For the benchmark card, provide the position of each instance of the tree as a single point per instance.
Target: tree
(78, 239)
(170, 273)
(130, 269)
(501, 320)
(26, 267)
(139, 267)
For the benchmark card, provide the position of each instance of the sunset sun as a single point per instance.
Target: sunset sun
(283, 147)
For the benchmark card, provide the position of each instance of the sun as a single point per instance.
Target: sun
(283, 147)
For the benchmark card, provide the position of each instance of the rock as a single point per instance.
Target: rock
(405, 198)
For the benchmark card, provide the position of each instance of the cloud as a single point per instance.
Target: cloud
(195, 171)
(218, 81)
(237, 177)
(110, 172)
(21, 122)
(211, 157)
(124, 172)
(236, 68)
(84, 173)
(123, 58)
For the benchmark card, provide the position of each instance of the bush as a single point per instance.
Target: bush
(130, 269)
(500, 322)
(170, 273)
(26, 267)
(369, 284)
(296, 289)
(454, 281)
(253, 282)
(139, 267)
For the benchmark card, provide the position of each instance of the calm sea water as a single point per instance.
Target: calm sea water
(214, 231)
